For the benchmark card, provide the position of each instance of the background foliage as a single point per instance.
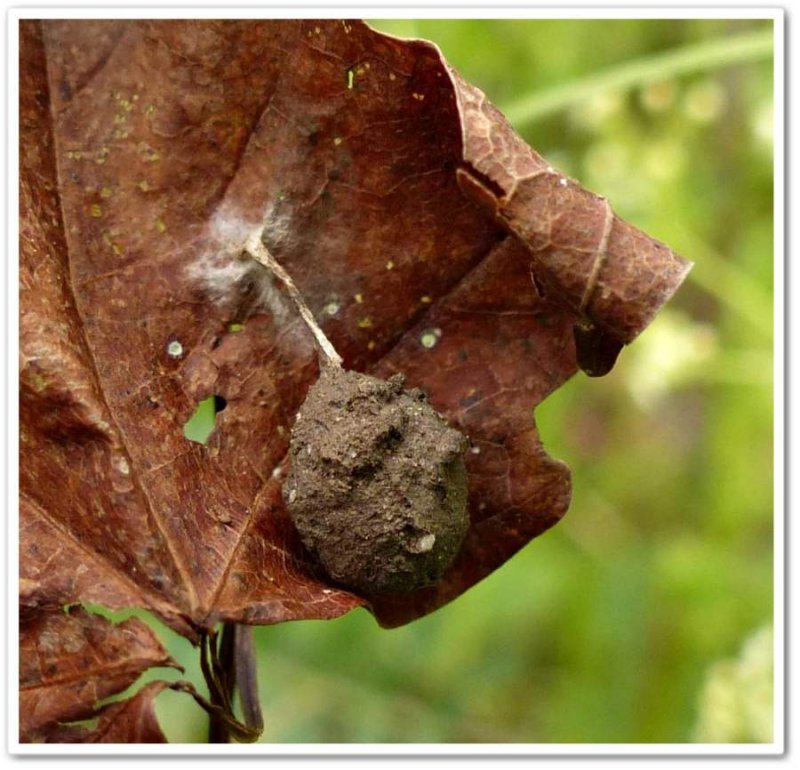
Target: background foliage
(645, 615)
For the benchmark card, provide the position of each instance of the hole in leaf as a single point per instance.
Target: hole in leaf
(201, 424)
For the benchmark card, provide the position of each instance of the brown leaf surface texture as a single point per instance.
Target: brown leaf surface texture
(604, 269)
(71, 660)
(408, 213)
(130, 721)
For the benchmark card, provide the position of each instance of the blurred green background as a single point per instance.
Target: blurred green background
(646, 614)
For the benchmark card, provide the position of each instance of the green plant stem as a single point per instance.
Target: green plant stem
(725, 280)
(720, 52)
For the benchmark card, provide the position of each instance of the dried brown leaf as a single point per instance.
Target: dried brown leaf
(71, 660)
(409, 214)
(130, 721)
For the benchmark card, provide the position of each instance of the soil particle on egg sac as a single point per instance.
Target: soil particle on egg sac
(377, 487)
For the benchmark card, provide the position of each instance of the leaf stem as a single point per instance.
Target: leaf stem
(218, 731)
(709, 55)
(256, 249)
(227, 660)
(244, 656)
(241, 732)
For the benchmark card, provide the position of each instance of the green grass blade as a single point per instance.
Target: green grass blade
(710, 55)
(725, 280)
